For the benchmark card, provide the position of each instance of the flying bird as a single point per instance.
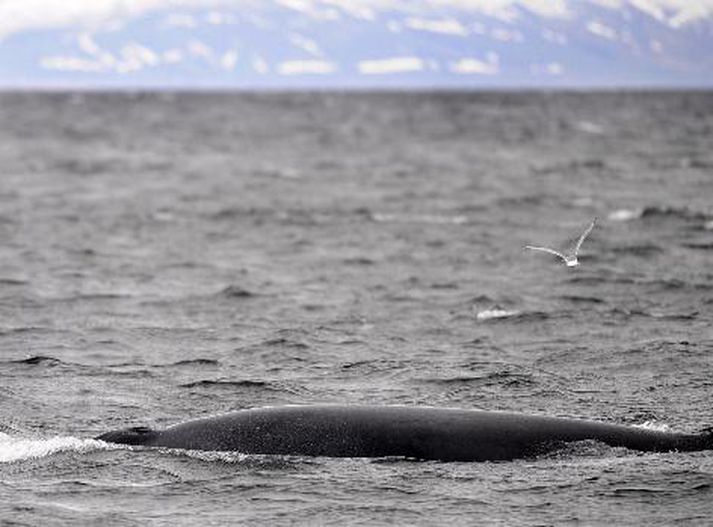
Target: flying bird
(569, 259)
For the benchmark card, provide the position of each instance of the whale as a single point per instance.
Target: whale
(416, 432)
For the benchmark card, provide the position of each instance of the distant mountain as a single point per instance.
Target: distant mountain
(382, 43)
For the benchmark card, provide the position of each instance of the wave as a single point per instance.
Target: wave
(196, 362)
(114, 295)
(483, 299)
(276, 172)
(699, 246)
(672, 284)
(459, 379)
(13, 449)
(574, 165)
(504, 314)
(38, 360)
(212, 456)
(666, 284)
(498, 377)
(356, 364)
(691, 315)
(523, 200)
(436, 219)
(683, 213)
(231, 213)
(259, 461)
(208, 383)
(359, 260)
(282, 342)
(265, 215)
(642, 249)
(587, 448)
(490, 314)
(582, 299)
(235, 291)
(656, 211)
(626, 313)
(592, 280)
(29, 329)
(13, 281)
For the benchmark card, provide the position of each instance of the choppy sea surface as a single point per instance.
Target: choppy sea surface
(167, 256)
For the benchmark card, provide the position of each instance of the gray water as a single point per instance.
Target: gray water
(171, 256)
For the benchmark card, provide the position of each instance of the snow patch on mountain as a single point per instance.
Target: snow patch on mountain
(449, 43)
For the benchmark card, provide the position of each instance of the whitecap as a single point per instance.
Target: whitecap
(590, 128)
(212, 455)
(653, 426)
(22, 448)
(624, 214)
(489, 314)
(436, 219)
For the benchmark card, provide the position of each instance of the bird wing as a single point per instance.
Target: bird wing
(583, 236)
(546, 250)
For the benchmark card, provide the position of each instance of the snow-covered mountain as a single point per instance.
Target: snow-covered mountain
(358, 43)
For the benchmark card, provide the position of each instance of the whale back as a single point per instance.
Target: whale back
(412, 432)
(136, 435)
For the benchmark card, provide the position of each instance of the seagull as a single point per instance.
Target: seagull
(569, 259)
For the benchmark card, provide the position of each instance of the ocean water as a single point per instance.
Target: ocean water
(167, 256)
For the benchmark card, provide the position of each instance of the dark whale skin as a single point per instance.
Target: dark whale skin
(398, 431)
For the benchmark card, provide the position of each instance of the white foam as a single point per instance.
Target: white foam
(624, 215)
(21, 448)
(212, 455)
(435, 219)
(590, 127)
(489, 314)
(654, 426)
